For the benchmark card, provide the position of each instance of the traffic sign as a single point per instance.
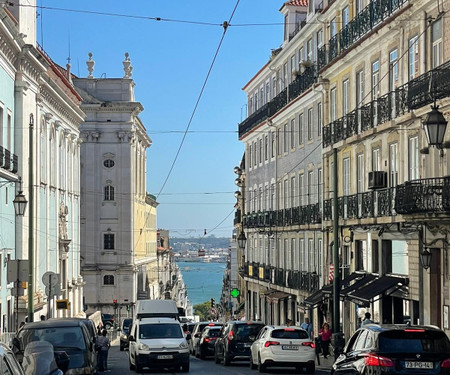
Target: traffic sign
(50, 279)
(235, 292)
(213, 311)
(52, 291)
(17, 270)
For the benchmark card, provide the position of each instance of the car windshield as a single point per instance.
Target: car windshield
(214, 333)
(289, 334)
(160, 331)
(59, 337)
(244, 331)
(413, 341)
(127, 324)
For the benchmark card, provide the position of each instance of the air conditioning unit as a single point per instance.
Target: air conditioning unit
(377, 180)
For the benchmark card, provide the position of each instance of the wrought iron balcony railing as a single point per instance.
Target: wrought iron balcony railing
(300, 84)
(429, 195)
(8, 161)
(366, 20)
(414, 94)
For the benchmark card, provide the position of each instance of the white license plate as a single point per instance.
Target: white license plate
(289, 347)
(166, 356)
(411, 364)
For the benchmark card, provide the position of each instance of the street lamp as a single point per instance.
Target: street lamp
(425, 258)
(20, 203)
(435, 125)
(242, 240)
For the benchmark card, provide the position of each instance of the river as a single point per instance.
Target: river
(203, 280)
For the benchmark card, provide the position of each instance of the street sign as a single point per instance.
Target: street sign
(17, 269)
(50, 279)
(52, 291)
(213, 311)
(235, 292)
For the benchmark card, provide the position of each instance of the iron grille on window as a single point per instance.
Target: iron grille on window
(109, 193)
(108, 241)
(108, 280)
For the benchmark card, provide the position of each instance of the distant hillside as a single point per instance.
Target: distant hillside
(196, 243)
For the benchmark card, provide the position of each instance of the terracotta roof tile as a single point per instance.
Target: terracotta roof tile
(301, 3)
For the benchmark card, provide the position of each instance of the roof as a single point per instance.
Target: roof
(391, 327)
(300, 3)
(59, 322)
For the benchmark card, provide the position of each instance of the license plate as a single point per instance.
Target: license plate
(411, 364)
(289, 347)
(247, 345)
(165, 356)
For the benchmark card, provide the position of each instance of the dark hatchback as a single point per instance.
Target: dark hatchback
(236, 338)
(395, 349)
(126, 326)
(207, 341)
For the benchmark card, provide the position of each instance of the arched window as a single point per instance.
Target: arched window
(109, 193)
(108, 280)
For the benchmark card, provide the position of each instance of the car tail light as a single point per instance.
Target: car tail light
(289, 329)
(309, 343)
(230, 336)
(270, 343)
(414, 330)
(206, 339)
(211, 324)
(445, 363)
(378, 361)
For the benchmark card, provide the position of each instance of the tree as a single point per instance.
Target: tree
(202, 310)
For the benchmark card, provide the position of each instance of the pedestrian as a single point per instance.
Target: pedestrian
(102, 345)
(307, 326)
(325, 336)
(367, 319)
(99, 329)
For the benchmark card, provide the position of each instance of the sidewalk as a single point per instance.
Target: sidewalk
(325, 363)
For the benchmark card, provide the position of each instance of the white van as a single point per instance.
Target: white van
(158, 343)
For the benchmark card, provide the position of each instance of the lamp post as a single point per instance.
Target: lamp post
(425, 258)
(242, 239)
(30, 225)
(435, 125)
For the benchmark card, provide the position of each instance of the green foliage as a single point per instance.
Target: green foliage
(202, 310)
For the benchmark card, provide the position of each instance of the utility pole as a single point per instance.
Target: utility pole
(30, 225)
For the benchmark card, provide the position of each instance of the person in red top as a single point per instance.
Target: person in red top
(325, 337)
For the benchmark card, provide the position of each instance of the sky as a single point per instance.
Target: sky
(171, 59)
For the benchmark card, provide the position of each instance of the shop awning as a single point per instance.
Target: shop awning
(276, 295)
(315, 298)
(362, 281)
(383, 285)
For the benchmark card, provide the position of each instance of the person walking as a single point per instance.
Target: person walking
(307, 326)
(103, 345)
(325, 337)
(367, 319)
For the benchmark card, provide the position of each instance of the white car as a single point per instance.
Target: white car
(158, 343)
(283, 346)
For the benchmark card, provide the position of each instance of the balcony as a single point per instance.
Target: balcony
(412, 95)
(367, 20)
(9, 162)
(425, 196)
(301, 83)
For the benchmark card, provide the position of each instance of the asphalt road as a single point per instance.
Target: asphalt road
(118, 365)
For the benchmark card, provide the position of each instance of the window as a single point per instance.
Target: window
(285, 193)
(267, 92)
(301, 245)
(413, 158)
(413, 57)
(293, 191)
(436, 42)
(358, 6)
(108, 163)
(359, 88)
(311, 7)
(311, 261)
(250, 155)
(260, 150)
(292, 130)
(310, 132)
(273, 144)
(300, 128)
(108, 241)
(346, 176)
(345, 16)
(293, 67)
(393, 69)
(393, 164)
(333, 113)
(319, 187)
(43, 143)
(301, 186)
(274, 87)
(266, 147)
(109, 193)
(108, 280)
(310, 186)
(309, 50)
(319, 119)
(375, 159)
(2, 143)
(286, 138)
(333, 28)
(375, 79)
(291, 255)
(345, 97)
(301, 55)
(278, 142)
(319, 38)
(360, 173)
(255, 161)
(8, 131)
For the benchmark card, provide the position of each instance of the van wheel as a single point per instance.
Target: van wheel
(185, 368)
(132, 367)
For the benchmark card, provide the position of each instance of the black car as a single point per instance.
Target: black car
(208, 337)
(236, 338)
(126, 326)
(395, 349)
(107, 320)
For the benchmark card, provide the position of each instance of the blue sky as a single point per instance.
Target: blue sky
(171, 61)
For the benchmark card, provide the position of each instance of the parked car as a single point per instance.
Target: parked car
(207, 341)
(9, 361)
(235, 340)
(108, 320)
(158, 343)
(66, 335)
(395, 349)
(125, 332)
(283, 346)
(198, 328)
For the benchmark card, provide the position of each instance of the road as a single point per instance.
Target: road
(118, 364)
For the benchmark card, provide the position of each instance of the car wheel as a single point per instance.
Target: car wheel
(226, 359)
(185, 368)
(121, 348)
(261, 366)
(216, 358)
(252, 365)
(108, 325)
(132, 367)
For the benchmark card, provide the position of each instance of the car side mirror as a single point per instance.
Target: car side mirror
(131, 338)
